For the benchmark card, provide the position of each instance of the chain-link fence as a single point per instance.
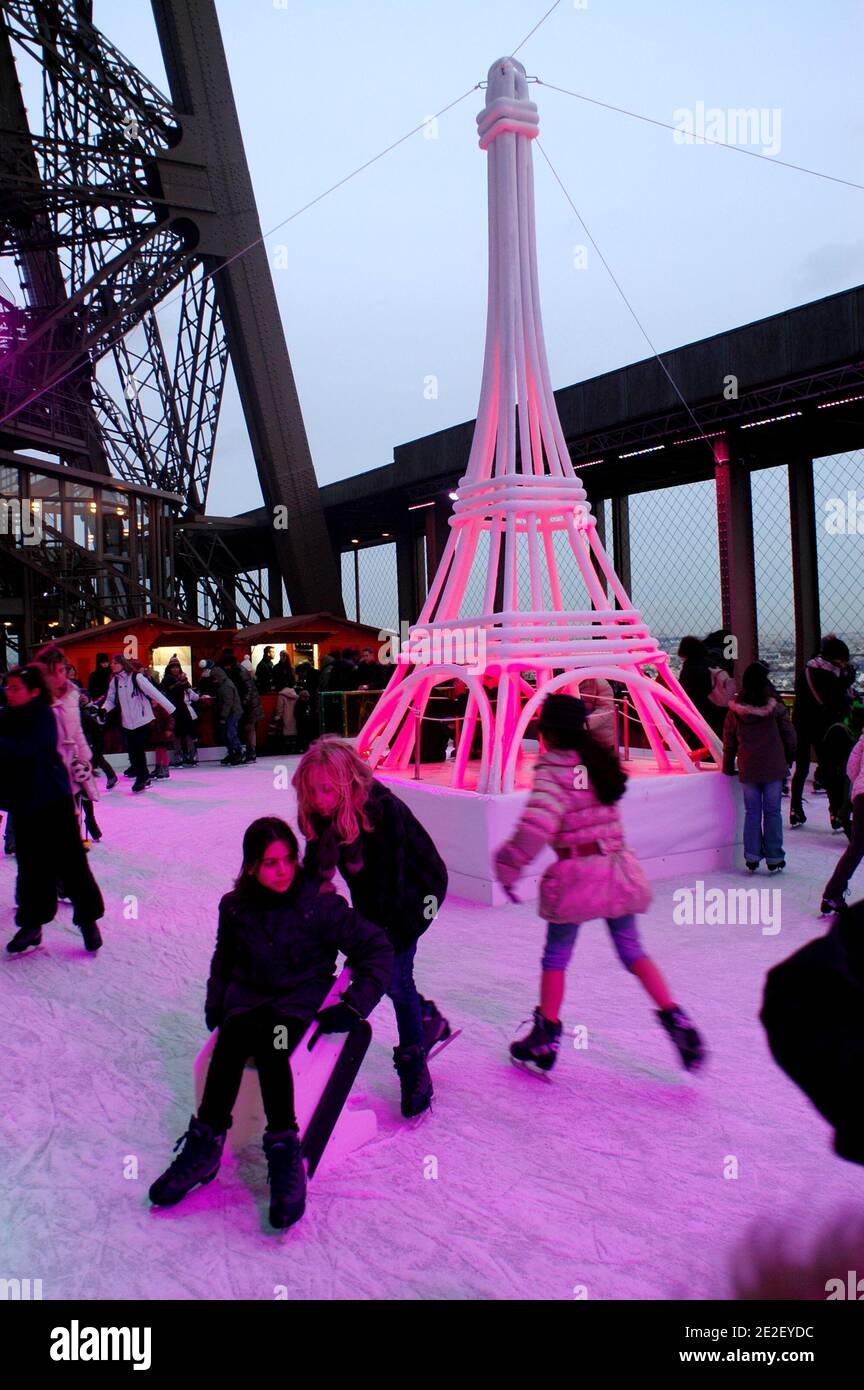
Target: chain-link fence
(772, 551)
(369, 586)
(838, 484)
(674, 561)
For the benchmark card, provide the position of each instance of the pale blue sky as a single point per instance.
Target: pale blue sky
(386, 278)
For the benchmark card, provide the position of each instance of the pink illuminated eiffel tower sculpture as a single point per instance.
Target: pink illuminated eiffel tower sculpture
(523, 602)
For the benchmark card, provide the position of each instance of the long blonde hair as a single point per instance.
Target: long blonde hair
(349, 774)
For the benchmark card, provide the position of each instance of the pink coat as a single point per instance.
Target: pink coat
(564, 813)
(560, 813)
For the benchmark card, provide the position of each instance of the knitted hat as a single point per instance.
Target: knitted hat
(205, 665)
(562, 713)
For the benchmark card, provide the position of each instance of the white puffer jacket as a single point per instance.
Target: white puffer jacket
(133, 695)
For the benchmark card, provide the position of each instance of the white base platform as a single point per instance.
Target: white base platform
(684, 823)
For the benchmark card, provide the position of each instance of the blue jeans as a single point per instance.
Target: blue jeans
(402, 991)
(763, 821)
(229, 730)
(561, 938)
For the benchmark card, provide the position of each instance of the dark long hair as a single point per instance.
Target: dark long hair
(756, 688)
(605, 773)
(33, 678)
(258, 837)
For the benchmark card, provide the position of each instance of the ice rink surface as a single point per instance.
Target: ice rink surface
(608, 1183)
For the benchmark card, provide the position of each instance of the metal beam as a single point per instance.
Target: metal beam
(805, 569)
(231, 235)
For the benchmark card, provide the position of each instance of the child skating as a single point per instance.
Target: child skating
(274, 963)
(396, 878)
(573, 807)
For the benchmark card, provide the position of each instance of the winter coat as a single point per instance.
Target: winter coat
(32, 772)
(227, 701)
(162, 735)
(264, 675)
(855, 770)
(285, 713)
(97, 685)
(132, 694)
(283, 674)
(249, 697)
(822, 696)
(813, 1014)
(599, 699)
(71, 743)
(697, 681)
(762, 738)
(280, 949)
(560, 814)
(402, 880)
(182, 697)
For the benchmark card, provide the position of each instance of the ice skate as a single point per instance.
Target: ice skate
(24, 938)
(414, 1080)
(435, 1025)
(92, 936)
(198, 1162)
(287, 1177)
(685, 1037)
(539, 1048)
(797, 816)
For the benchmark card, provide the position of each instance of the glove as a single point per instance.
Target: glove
(506, 873)
(337, 1018)
(212, 1019)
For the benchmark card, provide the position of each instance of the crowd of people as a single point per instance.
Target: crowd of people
(282, 924)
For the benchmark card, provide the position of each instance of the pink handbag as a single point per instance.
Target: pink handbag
(581, 888)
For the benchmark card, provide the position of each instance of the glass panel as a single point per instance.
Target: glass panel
(115, 527)
(81, 521)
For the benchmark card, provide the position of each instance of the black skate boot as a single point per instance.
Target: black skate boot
(435, 1025)
(797, 816)
(287, 1177)
(828, 907)
(198, 1163)
(539, 1048)
(92, 936)
(24, 938)
(684, 1036)
(414, 1080)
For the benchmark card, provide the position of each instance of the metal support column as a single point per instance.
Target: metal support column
(737, 563)
(621, 540)
(805, 572)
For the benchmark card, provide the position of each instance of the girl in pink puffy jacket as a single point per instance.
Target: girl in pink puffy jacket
(573, 807)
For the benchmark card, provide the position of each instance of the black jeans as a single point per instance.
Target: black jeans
(256, 1034)
(48, 849)
(137, 743)
(851, 856)
(403, 995)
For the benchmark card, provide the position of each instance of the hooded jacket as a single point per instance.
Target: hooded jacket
(822, 695)
(280, 949)
(225, 695)
(762, 739)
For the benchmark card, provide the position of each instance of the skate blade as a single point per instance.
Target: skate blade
(532, 1070)
(442, 1043)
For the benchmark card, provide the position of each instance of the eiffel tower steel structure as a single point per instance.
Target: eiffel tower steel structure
(499, 615)
(119, 198)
